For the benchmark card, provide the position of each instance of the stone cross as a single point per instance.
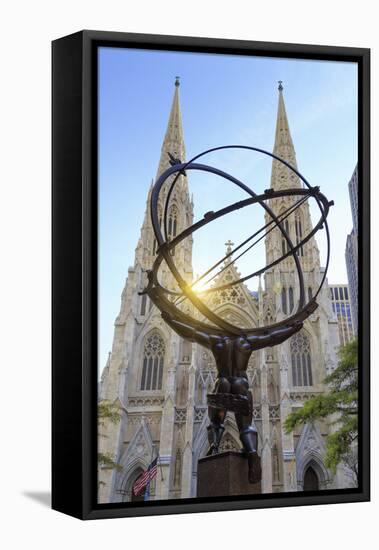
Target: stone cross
(229, 245)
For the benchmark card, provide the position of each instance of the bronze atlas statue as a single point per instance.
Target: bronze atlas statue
(230, 345)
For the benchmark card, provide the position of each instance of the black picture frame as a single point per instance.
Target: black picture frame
(74, 272)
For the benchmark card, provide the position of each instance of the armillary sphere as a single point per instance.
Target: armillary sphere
(168, 300)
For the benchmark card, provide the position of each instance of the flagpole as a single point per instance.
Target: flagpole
(160, 465)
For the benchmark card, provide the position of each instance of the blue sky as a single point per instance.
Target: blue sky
(224, 100)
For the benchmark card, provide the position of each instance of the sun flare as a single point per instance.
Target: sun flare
(200, 286)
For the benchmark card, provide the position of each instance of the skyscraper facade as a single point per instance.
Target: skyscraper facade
(339, 295)
(351, 251)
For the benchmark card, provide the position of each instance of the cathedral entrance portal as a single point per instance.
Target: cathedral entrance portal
(130, 496)
(311, 481)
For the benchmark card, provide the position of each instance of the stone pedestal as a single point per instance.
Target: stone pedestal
(225, 474)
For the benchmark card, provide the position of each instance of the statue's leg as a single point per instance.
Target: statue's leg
(217, 416)
(248, 434)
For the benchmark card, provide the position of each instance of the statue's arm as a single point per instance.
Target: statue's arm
(274, 338)
(186, 331)
(284, 333)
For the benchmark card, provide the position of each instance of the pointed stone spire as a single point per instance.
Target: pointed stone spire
(173, 149)
(283, 135)
(173, 143)
(281, 176)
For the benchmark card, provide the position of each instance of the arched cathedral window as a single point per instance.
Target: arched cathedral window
(143, 304)
(290, 298)
(301, 360)
(299, 232)
(284, 301)
(172, 224)
(153, 362)
(287, 300)
(285, 245)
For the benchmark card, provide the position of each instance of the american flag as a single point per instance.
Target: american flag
(145, 477)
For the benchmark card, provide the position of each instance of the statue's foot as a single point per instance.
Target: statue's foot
(255, 469)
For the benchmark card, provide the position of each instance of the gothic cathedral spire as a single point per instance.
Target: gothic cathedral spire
(297, 225)
(281, 176)
(173, 143)
(180, 212)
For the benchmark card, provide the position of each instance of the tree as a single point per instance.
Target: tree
(342, 404)
(111, 412)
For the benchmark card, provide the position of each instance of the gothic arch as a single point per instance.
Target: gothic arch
(310, 451)
(235, 314)
(140, 447)
(318, 467)
(125, 490)
(137, 456)
(155, 323)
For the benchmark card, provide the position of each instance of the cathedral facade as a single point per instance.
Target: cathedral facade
(159, 381)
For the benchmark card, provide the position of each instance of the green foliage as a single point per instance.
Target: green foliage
(106, 460)
(107, 411)
(341, 403)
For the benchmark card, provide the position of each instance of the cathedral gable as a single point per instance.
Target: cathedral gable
(140, 447)
(235, 304)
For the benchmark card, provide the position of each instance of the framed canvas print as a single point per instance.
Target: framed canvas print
(210, 275)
